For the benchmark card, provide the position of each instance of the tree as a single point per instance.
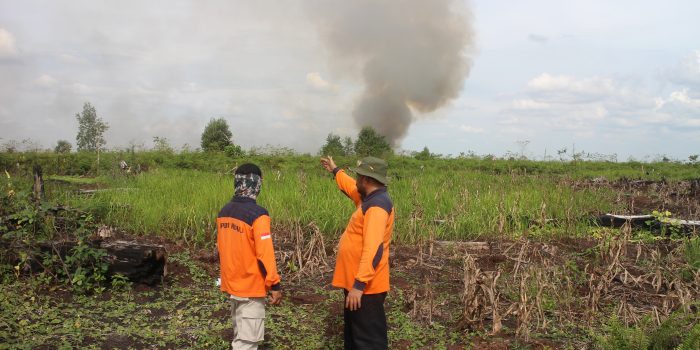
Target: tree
(216, 135)
(370, 143)
(63, 146)
(348, 146)
(424, 154)
(333, 146)
(234, 151)
(161, 144)
(91, 130)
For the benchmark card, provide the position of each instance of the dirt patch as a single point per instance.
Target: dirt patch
(307, 299)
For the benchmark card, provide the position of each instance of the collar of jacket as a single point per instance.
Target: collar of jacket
(241, 199)
(374, 193)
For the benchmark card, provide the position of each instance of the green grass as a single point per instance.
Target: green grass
(76, 180)
(459, 204)
(179, 195)
(86, 163)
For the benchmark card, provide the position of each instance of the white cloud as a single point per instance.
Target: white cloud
(687, 71)
(80, 89)
(71, 59)
(595, 86)
(46, 81)
(315, 81)
(683, 98)
(588, 105)
(528, 103)
(540, 39)
(510, 121)
(471, 130)
(7, 44)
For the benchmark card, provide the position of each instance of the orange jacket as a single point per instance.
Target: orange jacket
(246, 254)
(363, 250)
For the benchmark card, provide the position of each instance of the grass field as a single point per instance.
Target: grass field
(459, 204)
(539, 275)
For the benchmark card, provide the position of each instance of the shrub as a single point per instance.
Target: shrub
(619, 337)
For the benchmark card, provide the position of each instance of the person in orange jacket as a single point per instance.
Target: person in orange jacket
(247, 258)
(362, 263)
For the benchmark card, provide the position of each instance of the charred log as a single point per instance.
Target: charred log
(139, 262)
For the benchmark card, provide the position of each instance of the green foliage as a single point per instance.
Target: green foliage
(161, 144)
(348, 146)
(234, 151)
(669, 226)
(91, 130)
(424, 154)
(692, 252)
(84, 268)
(618, 337)
(333, 147)
(62, 146)
(679, 331)
(32, 227)
(185, 315)
(216, 135)
(120, 283)
(673, 331)
(692, 340)
(370, 143)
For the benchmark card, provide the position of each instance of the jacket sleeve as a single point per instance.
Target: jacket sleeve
(347, 184)
(372, 245)
(265, 252)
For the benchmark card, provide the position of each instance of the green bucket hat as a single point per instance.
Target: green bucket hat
(372, 167)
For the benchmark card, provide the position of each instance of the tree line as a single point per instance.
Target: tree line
(217, 137)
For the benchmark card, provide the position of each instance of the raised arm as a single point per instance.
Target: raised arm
(345, 182)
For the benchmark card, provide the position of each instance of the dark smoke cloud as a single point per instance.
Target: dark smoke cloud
(413, 55)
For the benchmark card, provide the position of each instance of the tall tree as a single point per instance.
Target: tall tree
(161, 144)
(333, 146)
(424, 154)
(348, 146)
(370, 143)
(62, 146)
(91, 130)
(216, 135)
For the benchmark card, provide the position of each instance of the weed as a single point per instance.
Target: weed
(618, 337)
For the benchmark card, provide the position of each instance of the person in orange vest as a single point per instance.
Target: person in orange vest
(362, 263)
(247, 258)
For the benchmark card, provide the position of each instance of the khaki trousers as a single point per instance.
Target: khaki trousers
(248, 316)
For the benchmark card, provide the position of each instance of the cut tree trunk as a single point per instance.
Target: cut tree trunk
(140, 262)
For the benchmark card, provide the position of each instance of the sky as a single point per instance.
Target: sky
(602, 77)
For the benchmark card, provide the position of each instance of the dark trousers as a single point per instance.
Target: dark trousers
(365, 328)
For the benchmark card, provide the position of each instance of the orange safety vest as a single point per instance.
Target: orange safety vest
(363, 250)
(246, 253)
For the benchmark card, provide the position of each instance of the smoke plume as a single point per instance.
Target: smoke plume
(413, 55)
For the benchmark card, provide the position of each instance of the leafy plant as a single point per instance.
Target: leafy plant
(618, 337)
(692, 341)
(669, 226)
(234, 151)
(692, 252)
(31, 227)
